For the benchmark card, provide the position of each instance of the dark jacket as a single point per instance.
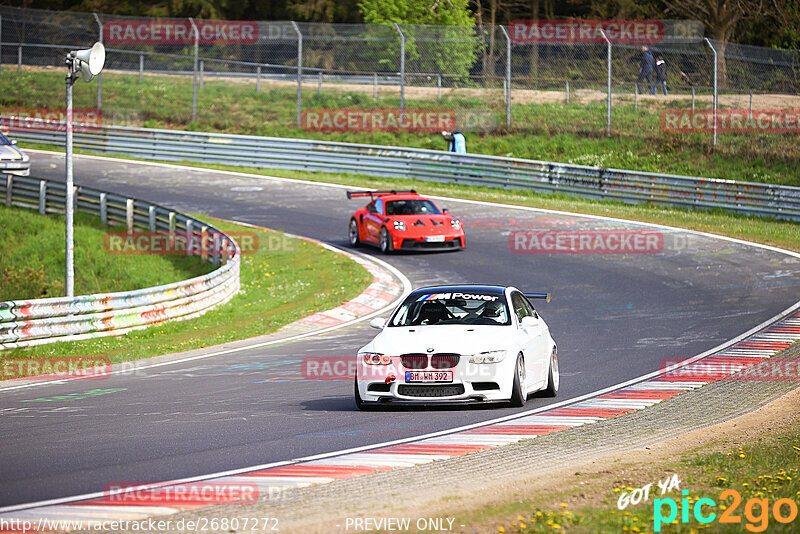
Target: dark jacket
(661, 70)
(647, 63)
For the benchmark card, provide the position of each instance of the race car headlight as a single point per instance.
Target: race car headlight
(492, 356)
(399, 225)
(456, 224)
(375, 358)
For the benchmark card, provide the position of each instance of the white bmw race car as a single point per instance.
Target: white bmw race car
(455, 344)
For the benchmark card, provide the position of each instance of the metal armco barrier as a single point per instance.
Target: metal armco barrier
(33, 322)
(433, 165)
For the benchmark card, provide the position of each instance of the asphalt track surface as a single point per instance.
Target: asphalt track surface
(614, 316)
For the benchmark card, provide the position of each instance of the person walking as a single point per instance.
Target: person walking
(646, 66)
(661, 73)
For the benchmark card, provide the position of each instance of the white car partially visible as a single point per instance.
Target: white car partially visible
(12, 159)
(459, 344)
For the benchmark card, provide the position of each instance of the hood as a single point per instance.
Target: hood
(461, 339)
(12, 153)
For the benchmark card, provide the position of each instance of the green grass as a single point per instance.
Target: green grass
(32, 264)
(285, 280)
(545, 131)
(764, 470)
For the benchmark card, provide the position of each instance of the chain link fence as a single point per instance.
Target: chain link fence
(274, 78)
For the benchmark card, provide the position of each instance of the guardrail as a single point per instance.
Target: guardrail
(34, 322)
(433, 165)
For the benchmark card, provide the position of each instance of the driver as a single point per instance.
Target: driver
(492, 310)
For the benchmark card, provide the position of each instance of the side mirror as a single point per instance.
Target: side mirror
(445, 210)
(13, 141)
(529, 321)
(378, 322)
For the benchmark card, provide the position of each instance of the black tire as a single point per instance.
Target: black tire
(360, 404)
(352, 234)
(518, 393)
(385, 241)
(553, 377)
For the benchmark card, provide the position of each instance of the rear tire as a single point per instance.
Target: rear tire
(352, 234)
(518, 392)
(553, 376)
(385, 241)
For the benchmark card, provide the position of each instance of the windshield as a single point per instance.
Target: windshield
(4, 140)
(414, 206)
(452, 308)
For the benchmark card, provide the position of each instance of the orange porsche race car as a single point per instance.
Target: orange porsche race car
(404, 220)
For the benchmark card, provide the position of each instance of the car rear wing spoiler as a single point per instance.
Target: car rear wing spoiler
(545, 296)
(353, 194)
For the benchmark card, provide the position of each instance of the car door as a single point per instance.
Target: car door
(532, 339)
(373, 220)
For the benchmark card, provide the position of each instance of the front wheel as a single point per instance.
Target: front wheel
(385, 241)
(352, 233)
(553, 377)
(519, 393)
(360, 404)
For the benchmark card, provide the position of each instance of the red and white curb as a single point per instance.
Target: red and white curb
(275, 478)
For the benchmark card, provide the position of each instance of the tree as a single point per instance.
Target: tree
(450, 46)
(720, 18)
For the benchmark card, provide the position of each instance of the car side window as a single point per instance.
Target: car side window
(529, 307)
(518, 302)
(379, 206)
(371, 208)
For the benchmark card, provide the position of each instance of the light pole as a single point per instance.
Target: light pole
(86, 63)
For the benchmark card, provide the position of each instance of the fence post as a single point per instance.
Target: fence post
(258, 79)
(508, 76)
(439, 86)
(708, 42)
(171, 219)
(636, 96)
(299, 70)
(568, 92)
(203, 245)
(189, 237)
(141, 67)
(194, 69)
(103, 208)
(608, 83)
(42, 196)
(100, 75)
(151, 218)
(692, 99)
(202, 71)
(374, 86)
(129, 214)
(402, 67)
(9, 186)
(319, 83)
(19, 58)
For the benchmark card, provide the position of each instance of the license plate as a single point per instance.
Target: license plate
(429, 376)
(434, 238)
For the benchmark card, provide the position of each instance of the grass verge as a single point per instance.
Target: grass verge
(284, 280)
(762, 473)
(33, 259)
(541, 128)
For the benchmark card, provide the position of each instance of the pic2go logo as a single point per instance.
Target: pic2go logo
(756, 511)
